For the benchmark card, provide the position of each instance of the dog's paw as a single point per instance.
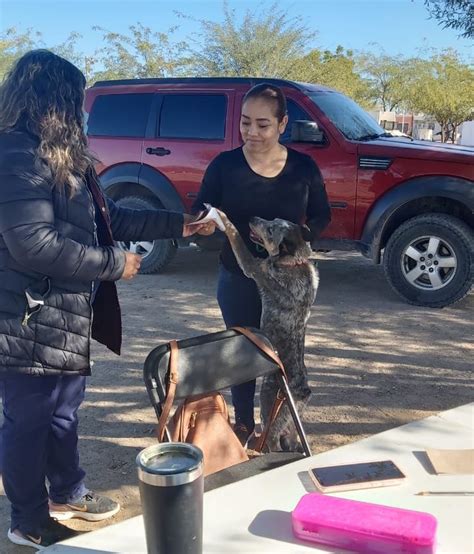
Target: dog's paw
(289, 443)
(223, 216)
(272, 445)
(285, 443)
(229, 228)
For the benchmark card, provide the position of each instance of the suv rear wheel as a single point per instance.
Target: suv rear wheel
(428, 260)
(156, 254)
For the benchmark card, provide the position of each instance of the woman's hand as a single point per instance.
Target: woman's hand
(132, 265)
(207, 229)
(201, 229)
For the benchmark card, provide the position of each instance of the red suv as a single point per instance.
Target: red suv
(411, 201)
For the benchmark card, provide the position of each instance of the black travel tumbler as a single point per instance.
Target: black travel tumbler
(171, 490)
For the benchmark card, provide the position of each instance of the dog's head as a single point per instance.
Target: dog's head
(281, 238)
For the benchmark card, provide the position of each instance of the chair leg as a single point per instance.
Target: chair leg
(295, 416)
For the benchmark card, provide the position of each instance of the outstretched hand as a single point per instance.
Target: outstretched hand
(201, 229)
(206, 229)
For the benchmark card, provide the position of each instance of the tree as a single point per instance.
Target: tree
(13, 45)
(334, 69)
(265, 44)
(142, 53)
(443, 87)
(453, 14)
(386, 78)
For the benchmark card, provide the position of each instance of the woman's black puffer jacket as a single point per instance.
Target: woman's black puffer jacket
(53, 249)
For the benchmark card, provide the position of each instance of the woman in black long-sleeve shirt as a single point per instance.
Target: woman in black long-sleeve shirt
(262, 178)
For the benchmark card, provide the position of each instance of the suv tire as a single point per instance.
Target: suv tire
(429, 260)
(156, 254)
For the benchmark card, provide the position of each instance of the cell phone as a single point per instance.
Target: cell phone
(346, 477)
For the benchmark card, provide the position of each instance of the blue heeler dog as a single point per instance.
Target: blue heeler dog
(287, 281)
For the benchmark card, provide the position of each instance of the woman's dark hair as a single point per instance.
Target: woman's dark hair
(272, 94)
(44, 95)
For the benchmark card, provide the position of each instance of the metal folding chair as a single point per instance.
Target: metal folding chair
(214, 362)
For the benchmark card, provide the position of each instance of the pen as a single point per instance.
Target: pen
(445, 493)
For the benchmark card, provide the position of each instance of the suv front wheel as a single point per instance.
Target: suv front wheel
(156, 254)
(428, 260)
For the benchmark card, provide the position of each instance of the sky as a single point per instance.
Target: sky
(399, 26)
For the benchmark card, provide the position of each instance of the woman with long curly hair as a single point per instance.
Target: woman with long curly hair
(58, 264)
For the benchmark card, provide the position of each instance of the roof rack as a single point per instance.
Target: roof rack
(199, 80)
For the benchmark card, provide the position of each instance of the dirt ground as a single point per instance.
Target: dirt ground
(374, 361)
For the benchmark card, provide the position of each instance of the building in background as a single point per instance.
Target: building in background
(420, 126)
(467, 133)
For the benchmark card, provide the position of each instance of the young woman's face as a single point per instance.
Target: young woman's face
(259, 126)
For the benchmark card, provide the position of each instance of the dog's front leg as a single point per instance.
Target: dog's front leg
(288, 433)
(283, 434)
(248, 263)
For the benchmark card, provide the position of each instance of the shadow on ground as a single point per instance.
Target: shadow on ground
(374, 362)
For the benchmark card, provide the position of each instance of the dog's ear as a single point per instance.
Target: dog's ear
(288, 246)
(291, 240)
(305, 233)
(278, 236)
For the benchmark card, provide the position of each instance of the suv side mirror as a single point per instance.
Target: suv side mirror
(306, 131)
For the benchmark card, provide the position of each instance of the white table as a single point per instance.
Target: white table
(253, 515)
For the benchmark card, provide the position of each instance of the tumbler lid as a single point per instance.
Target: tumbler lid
(169, 464)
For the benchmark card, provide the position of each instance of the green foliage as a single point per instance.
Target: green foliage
(13, 45)
(335, 70)
(265, 44)
(141, 53)
(453, 14)
(271, 43)
(386, 79)
(442, 86)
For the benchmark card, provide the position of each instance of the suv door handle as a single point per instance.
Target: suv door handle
(159, 151)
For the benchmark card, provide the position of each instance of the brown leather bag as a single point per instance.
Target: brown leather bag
(204, 420)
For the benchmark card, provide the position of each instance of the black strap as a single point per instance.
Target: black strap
(280, 397)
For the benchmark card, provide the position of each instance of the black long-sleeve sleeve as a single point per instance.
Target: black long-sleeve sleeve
(318, 211)
(132, 225)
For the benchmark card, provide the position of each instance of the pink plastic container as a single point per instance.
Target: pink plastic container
(363, 527)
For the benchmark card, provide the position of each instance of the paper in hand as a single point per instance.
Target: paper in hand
(210, 215)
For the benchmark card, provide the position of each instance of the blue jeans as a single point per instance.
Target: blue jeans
(240, 305)
(39, 440)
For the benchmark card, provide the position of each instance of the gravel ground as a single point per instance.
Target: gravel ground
(374, 363)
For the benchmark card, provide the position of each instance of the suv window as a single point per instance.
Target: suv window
(353, 122)
(119, 115)
(193, 116)
(294, 113)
